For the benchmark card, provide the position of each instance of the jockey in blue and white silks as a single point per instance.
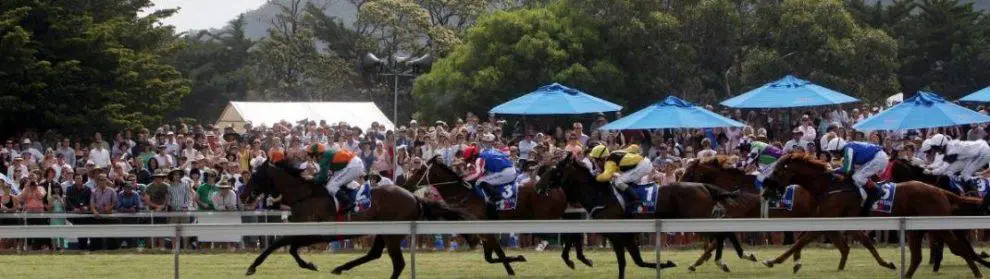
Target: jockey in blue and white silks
(871, 160)
(491, 168)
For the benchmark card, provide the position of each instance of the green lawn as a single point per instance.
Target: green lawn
(818, 263)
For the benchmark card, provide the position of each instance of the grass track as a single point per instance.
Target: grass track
(818, 263)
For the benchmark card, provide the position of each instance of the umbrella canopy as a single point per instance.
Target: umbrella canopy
(978, 96)
(925, 110)
(788, 92)
(671, 113)
(555, 99)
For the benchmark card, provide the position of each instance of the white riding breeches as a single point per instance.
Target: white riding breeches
(643, 168)
(871, 168)
(351, 172)
(506, 176)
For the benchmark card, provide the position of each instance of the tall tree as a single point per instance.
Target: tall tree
(82, 66)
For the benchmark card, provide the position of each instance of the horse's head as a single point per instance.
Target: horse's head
(260, 183)
(575, 179)
(279, 180)
(797, 169)
(433, 173)
(714, 171)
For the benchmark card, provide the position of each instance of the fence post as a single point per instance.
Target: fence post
(412, 249)
(176, 245)
(902, 232)
(657, 229)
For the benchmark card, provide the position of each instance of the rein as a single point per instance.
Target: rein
(426, 176)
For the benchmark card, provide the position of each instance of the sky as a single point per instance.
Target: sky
(204, 14)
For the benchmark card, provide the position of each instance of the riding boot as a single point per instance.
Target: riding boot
(493, 195)
(985, 206)
(344, 199)
(632, 198)
(872, 196)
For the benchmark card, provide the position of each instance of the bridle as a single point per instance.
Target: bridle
(426, 176)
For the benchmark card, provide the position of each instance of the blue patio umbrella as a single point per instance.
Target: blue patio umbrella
(925, 110)
(788, 92)
(671, 113)
(555, 99)
(978, 96)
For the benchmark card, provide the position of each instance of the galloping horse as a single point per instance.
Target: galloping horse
(748, 205)
(837, 200)
(458, 193)
(679, 200)
(312, 203)
(902, 171)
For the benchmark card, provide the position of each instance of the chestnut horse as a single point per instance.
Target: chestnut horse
(838, 200)
(748, 205)
(530, 206)
(679, 200)
(312, 203)
(901, 170)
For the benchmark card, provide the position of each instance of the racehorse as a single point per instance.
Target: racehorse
(902, 171)
(679, 200)
(749, 205)
(312, 203)
(458, 193)
(837, 199)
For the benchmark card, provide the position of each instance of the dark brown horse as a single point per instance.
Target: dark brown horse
(748, 205)
(903, 171)
(679, 200)
(312, 203)
(838, 200)
(530, 206)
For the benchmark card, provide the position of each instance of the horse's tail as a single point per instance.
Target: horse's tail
(718, 194)
(439, 210)
(961, 201)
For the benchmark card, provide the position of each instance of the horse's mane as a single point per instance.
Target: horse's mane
(286, 166)
(806, 159)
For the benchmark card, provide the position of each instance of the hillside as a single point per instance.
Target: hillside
(258, 20)
(977, 4)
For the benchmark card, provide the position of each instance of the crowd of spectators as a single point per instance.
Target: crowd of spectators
(186, 167)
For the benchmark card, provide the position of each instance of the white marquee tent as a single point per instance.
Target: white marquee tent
(360, 114)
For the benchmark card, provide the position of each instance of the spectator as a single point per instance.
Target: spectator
(807, 129)
(164, 159)
(103, 198)
(224, 199)
(65, 150)
(797, 141)
(100, 155)
(179, 191)
(156, 195)
(205, 191)
(128, 201)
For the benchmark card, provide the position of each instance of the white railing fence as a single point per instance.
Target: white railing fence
(900, 224)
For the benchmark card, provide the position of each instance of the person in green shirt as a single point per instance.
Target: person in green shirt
(205, 191)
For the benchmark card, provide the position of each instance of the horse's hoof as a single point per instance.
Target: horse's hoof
(752, 258)
(520, 258)
(984, 255)
(797, 267)
(768, 263)
(309, 266)
(691, 268)
(250, 271)
(889, 265)
(724, 267)
(669, 264)
(569, 264)
(337, 271)
(587, 262)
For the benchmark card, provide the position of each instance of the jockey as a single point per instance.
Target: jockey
(597, 156)
(935, 146)
(491, 168)
(965, 157)
(761, 153)
(346, 167)
(623, 167)
(871, 159)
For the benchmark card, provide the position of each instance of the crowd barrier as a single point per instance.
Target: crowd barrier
(900, 224)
